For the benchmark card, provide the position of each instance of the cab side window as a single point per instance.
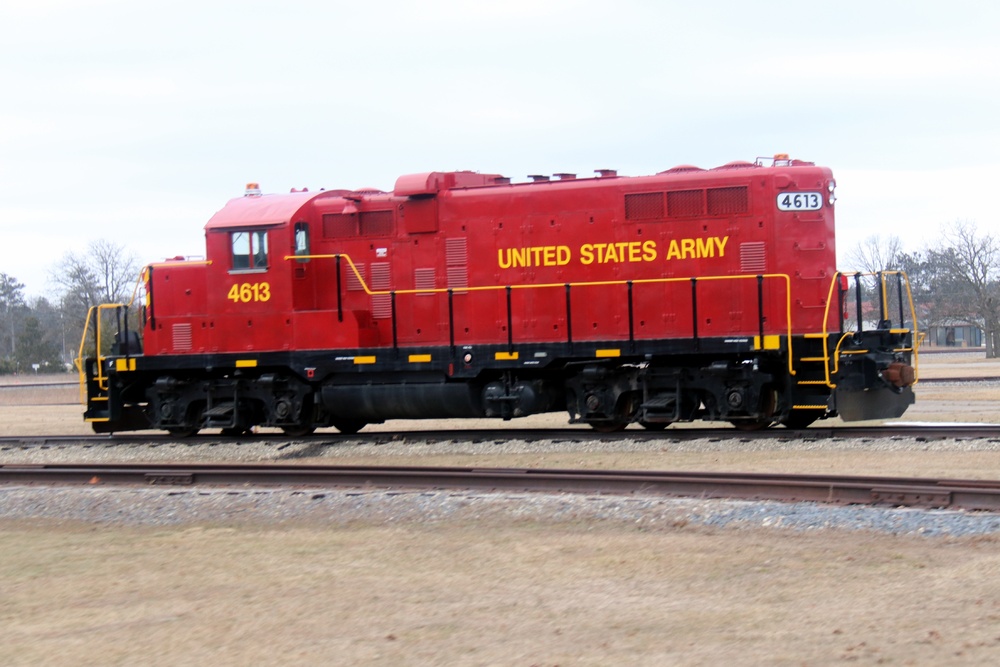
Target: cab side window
(249, 250)
(302, 240)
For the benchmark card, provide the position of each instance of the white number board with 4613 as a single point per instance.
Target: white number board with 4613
(800, 201)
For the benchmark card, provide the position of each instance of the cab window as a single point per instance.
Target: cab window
(249, 250)
(302, 240)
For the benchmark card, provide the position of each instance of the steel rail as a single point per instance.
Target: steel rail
(579, 434)
(910, 491)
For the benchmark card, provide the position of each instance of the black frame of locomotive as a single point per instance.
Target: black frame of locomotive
(653, 382)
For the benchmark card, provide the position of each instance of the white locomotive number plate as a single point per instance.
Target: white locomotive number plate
(800, 201)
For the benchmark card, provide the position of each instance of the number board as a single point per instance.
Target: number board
(247, 292)
(800, 201)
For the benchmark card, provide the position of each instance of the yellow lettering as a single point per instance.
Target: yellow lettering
(247, 292)
(548, 255)
(607, 253)
(721, 245)
(706, 247)
(599, 251)
(698, 248)
(562, 255)
(611, 254)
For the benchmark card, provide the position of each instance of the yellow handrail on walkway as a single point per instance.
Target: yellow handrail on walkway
(486, 288)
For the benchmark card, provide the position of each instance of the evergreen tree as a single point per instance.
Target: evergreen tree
(12, 309)
(34, 348)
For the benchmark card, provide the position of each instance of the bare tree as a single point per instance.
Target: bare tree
(106, 273)
(965, 272)
(877, 253)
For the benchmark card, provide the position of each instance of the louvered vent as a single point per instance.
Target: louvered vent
(728, 201)
(685, 203)
(644, 206)
(381, 303)
(753, 258)
(353, 283)
(424, 279)
(457, 261)
(182, 336)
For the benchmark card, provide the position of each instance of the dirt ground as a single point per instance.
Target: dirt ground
(497, 594)
(504, 590)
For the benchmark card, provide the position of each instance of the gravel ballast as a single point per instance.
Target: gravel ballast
(157, 506)
(152, 506)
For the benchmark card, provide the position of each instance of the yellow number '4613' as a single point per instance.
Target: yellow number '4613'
(247, 292)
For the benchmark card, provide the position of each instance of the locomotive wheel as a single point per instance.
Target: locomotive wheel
(624, 411)
(349, 426)
(183, 431)
(800, 418)
(655, 426)
(768, 402)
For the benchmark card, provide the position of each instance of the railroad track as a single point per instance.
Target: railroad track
(962, 380)
(886, 491)
(919, 431)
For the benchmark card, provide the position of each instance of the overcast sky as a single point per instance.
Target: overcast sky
(135, 121)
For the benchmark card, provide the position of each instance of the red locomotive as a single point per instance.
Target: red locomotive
(690, 294)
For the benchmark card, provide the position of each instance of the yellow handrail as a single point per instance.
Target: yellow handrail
(94, 314)
(101, 378)
(834, 283)
(598, 283)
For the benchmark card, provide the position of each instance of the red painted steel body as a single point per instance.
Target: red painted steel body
(690, 294)
(441, 231)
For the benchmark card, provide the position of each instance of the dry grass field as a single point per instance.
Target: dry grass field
(496, 589)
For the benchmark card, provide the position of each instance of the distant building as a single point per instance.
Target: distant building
(954, 335)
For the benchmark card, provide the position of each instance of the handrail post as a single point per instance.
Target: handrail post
(340, 304)
(126, 342)
(510, 323)
(760, 307)
(899, 297)
(631, 319)
(694, 312)
(392, 307)
(840, 302)
(857, 300)
(880, 279)
(451, 319)
(569, 320)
